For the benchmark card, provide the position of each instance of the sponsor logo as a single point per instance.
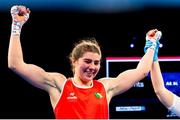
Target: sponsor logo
(72, 96)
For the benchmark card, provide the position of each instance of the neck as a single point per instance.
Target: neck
(82, 83)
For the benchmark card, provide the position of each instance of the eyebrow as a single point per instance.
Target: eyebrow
(91, 59)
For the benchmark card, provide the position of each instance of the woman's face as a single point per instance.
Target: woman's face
(87, 67)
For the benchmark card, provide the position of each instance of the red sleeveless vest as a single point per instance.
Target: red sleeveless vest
(82, 103)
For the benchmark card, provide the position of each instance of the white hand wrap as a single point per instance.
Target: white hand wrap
(18, 21)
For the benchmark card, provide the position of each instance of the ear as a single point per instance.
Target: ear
(73, 62)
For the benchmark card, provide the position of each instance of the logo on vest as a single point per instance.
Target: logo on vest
(98, 95)
(71, 96)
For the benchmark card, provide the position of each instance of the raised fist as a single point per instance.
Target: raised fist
(20, 13)
(152, 41)
(153, 35)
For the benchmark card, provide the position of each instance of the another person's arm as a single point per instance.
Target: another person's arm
(168, 99)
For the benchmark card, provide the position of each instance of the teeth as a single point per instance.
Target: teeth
(89, 73)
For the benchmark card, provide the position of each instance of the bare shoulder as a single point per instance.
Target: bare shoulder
(58, 78)
(57, 75)
(103, 79)
(106, 82)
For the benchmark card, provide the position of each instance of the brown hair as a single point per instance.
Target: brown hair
(83, 46)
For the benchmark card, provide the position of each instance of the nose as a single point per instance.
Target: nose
(92, 66)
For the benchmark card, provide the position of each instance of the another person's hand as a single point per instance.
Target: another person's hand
(152, 41)
(154, 34)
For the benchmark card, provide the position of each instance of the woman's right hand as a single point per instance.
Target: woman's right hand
(20, 13)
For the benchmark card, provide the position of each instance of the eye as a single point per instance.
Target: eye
(87, 61)
(96, 62)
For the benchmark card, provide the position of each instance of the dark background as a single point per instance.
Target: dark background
(48, 37)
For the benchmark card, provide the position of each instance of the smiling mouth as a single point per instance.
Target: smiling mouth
(89, 74)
